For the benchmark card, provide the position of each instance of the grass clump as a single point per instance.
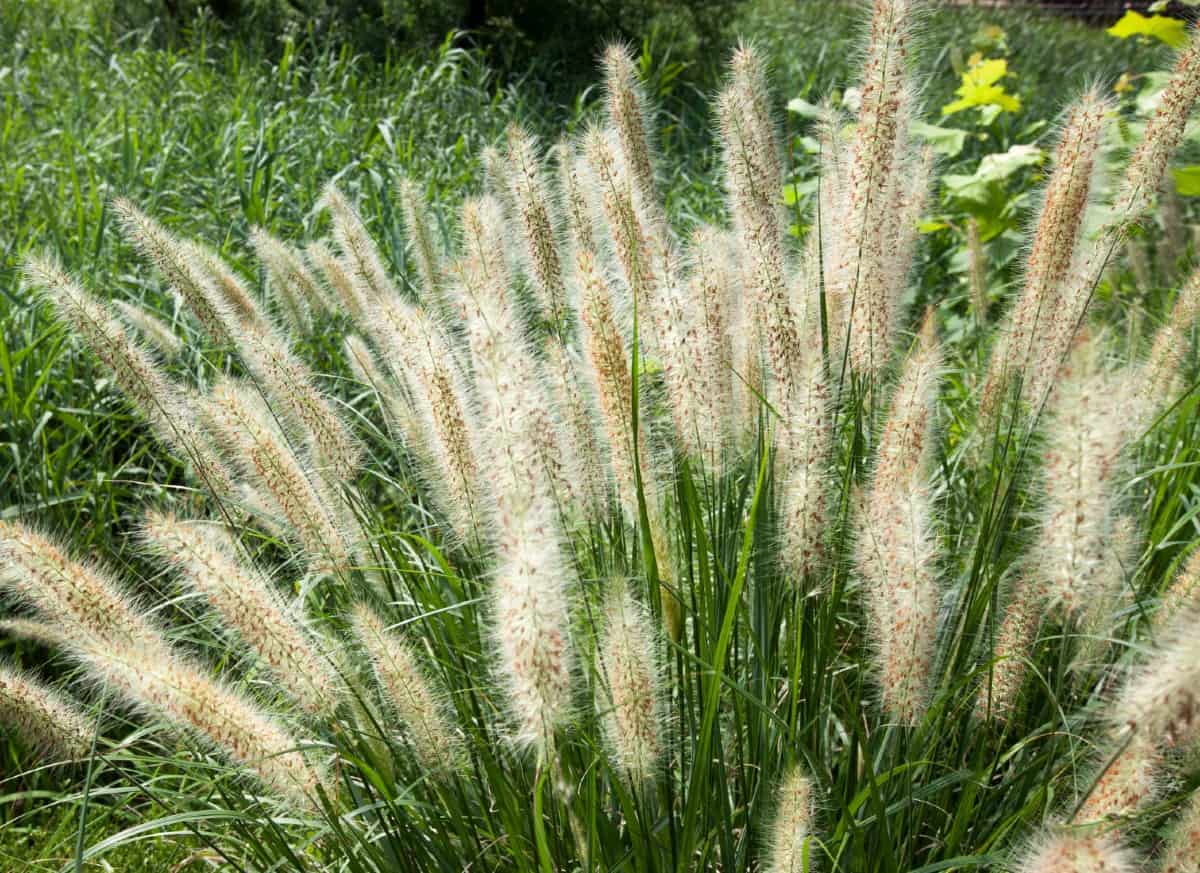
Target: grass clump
(571, 540)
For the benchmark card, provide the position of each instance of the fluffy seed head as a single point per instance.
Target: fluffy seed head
(753, 181)
(639, 256)
(531, 202)
(179, 267)
(421, 246)
(1161, 701)
(866, 224)
(291, 387)
(998, 695)
(289, 282)
(1182, 852)
(239, 302)
(791, 847)
(350, 293)
(532, 623)
(1088, 428)
(1125, 780)
(159, 400)
(1163, 134)
(1055, 240)
(1183, 594)
(363, 258)
(628, 112)
(897, 546)
(76, 595)
(422, 358)
(208, 562)
(171, 686)
(802, 455)
(574, 204)
(612, 381)
(1169, 349)
(630, 702)
(262, 453)
(584, 452)
(156, 331)
(44, 718)
(410, 692)
(1072, 853)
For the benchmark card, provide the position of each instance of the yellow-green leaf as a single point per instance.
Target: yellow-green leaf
(1187, 181)
(1172, 31)
(980, 87)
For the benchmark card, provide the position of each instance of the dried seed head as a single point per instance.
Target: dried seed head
(159, 400)
(421, 246)
(180, 267)
(363, 258)
(1088, 428)
(414, 696)
(791, 848)
(77, 596)
(156, 331)
(289, 282)
(629, 114)
(315, 518)
(1071, 853)
(531, 203)
(1182, 852)
(630, 702)
(1037, 313)
(45, 719)
(207, 559)
(1164, 132)
(351, 293)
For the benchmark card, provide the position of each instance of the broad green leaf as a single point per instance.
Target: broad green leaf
(980, 87)
(993, 168)
(1187, 181)
(948, 141)
(1172, 31)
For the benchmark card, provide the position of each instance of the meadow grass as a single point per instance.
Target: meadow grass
(766, 671)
